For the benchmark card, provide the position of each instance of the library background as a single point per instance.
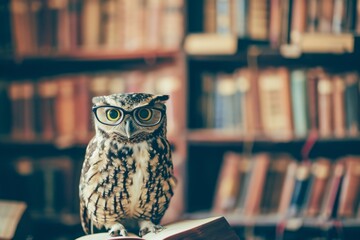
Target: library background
(263, 115)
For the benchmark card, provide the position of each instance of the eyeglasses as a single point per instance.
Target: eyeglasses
(144, 116)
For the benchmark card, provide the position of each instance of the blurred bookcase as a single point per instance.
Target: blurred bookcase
(55, 55)
(273, 99)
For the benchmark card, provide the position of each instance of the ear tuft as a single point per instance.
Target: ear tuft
(160, 98)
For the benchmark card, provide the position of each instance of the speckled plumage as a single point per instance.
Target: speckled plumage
(126, 182)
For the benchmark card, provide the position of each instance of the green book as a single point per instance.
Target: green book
(299, 102)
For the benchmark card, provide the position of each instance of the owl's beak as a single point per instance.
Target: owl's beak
(129, 128)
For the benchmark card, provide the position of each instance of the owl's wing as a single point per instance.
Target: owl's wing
(85, 220)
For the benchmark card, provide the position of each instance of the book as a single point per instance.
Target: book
(256, 185)
(227, 184)
(320, 173)
(339, 106)
(274, 183)
(351, 103)
(299, 191)
(299, 102)
(275, 103)
(208, 228)
(330, 203)
(349, 196)
(325, 106)
(14, 220)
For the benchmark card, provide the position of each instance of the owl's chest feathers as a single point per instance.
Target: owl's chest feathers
(121, 172)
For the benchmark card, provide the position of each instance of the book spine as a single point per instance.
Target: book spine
(240, 12)
(172, 24)
(275, 23)
(300, 188)
(223, 17)
(320, 172)
(210, 16)
(325, 107)
(339, 106)
(330, 205)
(256, 185)
(339, 16)
(326, 12)
(298, 23)
(349, 195)
(299, 102)
(312, 15)
(351, 103)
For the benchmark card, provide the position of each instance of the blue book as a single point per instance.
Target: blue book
(223, 17)
(299, 103)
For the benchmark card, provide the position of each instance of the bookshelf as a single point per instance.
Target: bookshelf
(75, 50)
(266, 42)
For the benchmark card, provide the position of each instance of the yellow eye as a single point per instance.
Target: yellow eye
(113, 114)
(144, 114)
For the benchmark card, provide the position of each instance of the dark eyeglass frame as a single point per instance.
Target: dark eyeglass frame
(132, 113)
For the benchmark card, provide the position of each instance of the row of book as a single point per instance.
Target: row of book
(275, 184)
(280, 21)
(59, 108)
(281, 102)
(53, 26)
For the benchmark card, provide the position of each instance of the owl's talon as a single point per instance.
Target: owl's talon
(147, 226)
(118, 230)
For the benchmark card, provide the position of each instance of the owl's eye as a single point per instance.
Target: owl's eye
(144, 114)
(113, 114)
(147, 116)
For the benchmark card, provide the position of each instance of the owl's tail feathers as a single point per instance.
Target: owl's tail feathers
(85, 221)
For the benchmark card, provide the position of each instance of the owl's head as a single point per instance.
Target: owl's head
(130, 116)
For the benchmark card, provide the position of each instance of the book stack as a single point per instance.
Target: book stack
(280, 21)
(92, 25)
(281, 102)
(52, 108)
(274, 186)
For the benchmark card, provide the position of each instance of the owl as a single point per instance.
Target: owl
(127, 177)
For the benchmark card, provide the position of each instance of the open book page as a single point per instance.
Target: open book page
(10, 215)
(168, 231)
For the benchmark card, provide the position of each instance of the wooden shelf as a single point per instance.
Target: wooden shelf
(273, 57)
(39, 147)
(218, 141)
(95, 55)
(18, 67)
(210, 136)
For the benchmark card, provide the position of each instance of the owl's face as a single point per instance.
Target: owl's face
(130, 116)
